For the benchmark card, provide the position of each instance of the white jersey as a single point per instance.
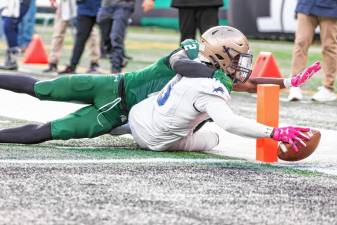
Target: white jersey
(159, 121)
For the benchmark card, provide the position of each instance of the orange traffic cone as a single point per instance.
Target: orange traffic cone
(265, 66)
(36, 53)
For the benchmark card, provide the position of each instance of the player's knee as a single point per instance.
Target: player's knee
(212, 140)
(43, 88)
(200, 141)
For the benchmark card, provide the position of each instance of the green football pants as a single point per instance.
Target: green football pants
(99, 91)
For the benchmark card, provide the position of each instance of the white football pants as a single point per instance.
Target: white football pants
(202, 140)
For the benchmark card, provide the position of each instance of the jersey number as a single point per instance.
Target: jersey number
(190, 47)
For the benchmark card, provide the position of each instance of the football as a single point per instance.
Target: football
(286, 153)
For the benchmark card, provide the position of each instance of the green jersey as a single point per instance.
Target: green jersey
(139, 84)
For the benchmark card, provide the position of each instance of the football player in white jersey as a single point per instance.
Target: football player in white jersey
(167, 121)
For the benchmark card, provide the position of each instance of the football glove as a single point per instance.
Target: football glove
(299, 79)
(291, 135)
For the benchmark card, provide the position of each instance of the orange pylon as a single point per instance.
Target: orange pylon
(266, 66)
(35, 53)
(267, 114)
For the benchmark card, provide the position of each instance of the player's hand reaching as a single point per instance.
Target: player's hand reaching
(291, 135)
(299, 79)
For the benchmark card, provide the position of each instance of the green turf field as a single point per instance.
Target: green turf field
(108, 180)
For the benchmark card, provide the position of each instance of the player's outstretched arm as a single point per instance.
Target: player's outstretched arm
(223, 116)
(295, 81)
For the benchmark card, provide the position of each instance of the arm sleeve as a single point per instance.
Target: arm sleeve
(224, 117)
(186, 67)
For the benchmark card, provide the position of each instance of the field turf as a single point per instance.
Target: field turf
(108, 180)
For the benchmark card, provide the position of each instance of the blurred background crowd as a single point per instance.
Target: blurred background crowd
(101, 27)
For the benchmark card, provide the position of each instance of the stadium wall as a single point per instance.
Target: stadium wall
(266, 19)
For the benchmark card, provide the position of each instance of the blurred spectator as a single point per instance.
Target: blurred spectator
(64, 17)
(12, 15)
(85, 21)
(113, 18)
(196, 14)
(310, 14)
(193, 15)
(27, 26)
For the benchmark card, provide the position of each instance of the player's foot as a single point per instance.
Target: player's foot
(68, 70)
(295, 94)
(94, 68)
(324, 95)
(52, 68)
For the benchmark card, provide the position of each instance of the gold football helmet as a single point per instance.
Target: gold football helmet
(227, 48)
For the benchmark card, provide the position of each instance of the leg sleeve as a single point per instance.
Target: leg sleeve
(199, 141)
(18, 83)
(28, 134)
(87, 122)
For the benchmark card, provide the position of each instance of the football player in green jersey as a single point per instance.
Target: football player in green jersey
(110, 97)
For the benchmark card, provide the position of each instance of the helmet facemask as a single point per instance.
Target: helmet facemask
(241, 64)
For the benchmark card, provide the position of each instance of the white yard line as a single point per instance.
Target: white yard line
(112, 161)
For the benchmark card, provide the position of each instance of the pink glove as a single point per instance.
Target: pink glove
(299, 79)
(291, 135)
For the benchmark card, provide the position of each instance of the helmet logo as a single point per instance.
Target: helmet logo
(214, 32)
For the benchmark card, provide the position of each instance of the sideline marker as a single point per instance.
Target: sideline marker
(266, 66)
(35, 53)
(267, 114)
